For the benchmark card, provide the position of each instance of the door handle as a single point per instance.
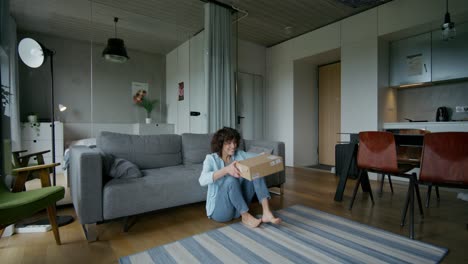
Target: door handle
(239, 119)
(193, 113)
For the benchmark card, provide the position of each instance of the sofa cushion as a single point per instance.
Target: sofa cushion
(124, 169)
(157, 189)
(107, 161)
(195, 147)
(147, 152)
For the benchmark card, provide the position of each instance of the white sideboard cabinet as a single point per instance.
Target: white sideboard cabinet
(153, 129)
(38, 137)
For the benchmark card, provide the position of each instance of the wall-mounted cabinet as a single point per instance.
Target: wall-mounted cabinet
(450, 58)
(427, 58)
(410, 60)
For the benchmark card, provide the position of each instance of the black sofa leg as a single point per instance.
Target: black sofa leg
(129, 221)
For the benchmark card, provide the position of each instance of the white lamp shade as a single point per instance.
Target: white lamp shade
(31, 52)
(62, 107)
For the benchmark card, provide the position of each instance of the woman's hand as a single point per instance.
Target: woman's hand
(232, 169)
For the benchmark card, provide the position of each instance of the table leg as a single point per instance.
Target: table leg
(343, 174)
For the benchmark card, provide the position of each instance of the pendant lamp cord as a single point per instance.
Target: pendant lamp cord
(116, 19)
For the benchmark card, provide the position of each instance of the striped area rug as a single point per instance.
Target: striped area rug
(305, 236)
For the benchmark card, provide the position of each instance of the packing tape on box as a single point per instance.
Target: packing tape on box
(256, 175)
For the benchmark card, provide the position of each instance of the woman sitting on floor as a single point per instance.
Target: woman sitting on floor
(229, 195)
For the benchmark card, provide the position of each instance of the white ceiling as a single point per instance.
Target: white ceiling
(158, 26)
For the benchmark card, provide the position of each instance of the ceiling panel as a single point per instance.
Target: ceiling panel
(158, 26)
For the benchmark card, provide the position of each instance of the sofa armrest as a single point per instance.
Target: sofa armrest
(277, 179)
(86, 179)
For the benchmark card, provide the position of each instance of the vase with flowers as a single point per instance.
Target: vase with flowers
(140, 99)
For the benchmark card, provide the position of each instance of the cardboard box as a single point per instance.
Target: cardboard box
(260, 166)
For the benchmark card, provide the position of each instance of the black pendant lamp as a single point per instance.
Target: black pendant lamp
(115, 50)
(448, 27)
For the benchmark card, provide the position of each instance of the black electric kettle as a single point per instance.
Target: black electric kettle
(442, 114)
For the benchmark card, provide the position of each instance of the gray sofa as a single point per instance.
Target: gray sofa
(170, 166)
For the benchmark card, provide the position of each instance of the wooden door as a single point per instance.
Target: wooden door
(329, 111)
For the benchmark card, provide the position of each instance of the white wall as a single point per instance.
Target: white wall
(171, 87)
(93, 89)
(358, 38)
(177, 71)
(359, 97)
(186, 63)
(198, 92)
(280, 98)
(280, 84)
(306, 113)
(252, 58)
(306, 106)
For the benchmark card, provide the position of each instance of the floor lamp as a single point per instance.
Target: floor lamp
(34, 54)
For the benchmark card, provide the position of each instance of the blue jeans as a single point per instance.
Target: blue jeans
(235, 195)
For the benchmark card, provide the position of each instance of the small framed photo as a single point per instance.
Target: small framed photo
(181, 91)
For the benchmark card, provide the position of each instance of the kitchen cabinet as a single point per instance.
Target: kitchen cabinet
(410, 60)
(450, 58)
(38, 137)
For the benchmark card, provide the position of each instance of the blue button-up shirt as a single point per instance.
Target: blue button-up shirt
(211, 164)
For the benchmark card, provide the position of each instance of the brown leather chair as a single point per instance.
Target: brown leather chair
(377, 153)
(410, 155)
(444, 160)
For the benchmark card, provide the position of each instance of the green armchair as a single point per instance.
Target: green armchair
(17, 204)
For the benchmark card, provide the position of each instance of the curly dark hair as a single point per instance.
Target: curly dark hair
(221, 136)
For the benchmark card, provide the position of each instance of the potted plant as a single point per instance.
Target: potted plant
(33, 123)
(32, 118)
(141, 100)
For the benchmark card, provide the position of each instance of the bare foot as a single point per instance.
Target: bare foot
(250, 221)
(269, 217)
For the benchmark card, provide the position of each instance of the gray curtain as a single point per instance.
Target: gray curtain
(14, 98)
(218, 67)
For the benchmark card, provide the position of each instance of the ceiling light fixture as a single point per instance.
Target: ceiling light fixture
(448, 27)
(115, 50)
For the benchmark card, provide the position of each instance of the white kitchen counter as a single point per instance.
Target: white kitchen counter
(431, 126)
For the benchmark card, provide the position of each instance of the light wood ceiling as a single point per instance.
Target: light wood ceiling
(158, 26)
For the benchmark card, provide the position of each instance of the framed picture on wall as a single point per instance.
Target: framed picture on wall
(139, 90)
(181, 91)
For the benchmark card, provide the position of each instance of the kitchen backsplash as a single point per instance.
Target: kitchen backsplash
(421, 103)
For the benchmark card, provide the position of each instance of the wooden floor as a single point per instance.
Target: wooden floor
(444, 224)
